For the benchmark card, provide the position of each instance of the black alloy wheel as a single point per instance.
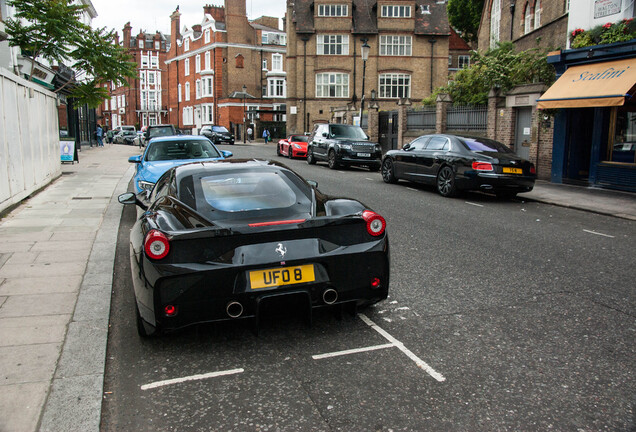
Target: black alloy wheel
(278, 153)
(388, 175)
(446, 182)
(311, 160)
(289, 152)
(331, 160)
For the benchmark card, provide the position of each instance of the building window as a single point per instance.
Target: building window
(333, 45)
(527, 19)
(144, 61)
(187, 91)
(333, 10)
(495, 21)
(197, 63)
(186, 44)
(207, 61)
(396, 11)
(206, 36)
(464, 61)
(271, 38)
(188, 115)
(197, 89)
(395, 85)
(450, 60)
(151, 78)
(332, 85)
(157, 45)
(276, 87)
(208, 114)
(154, 62)
(277, 62)
(105, 104)
(152, 101)
(395, 45)
(208, 87)
(537, 14)
(152, 119)
(186, 67)
(140, 43)
(264, 65)
(179, 92)
(622, 145)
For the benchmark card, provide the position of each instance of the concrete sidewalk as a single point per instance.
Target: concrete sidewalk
(57, 252)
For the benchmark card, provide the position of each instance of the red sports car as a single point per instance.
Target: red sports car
(293, 146)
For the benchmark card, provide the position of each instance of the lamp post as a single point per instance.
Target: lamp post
(364, 52)
(244, 129)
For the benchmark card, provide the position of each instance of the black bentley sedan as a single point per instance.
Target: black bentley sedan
(454, 163)
(218, 240)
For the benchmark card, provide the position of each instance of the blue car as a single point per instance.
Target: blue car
(163, 153)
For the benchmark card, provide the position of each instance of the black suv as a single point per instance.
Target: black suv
(341, 144)
(157, 131)
(217, 134)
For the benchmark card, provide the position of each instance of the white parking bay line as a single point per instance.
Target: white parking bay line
(370, 179)
(598, 233)
(473, 204)
(351, 351)
(190, 378)
(414, 190)
(419, 362)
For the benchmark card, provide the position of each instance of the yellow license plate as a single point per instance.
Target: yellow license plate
(269, 278)
(512, 170)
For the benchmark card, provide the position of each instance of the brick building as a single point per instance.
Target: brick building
(458, 53)
(227, 71)
(141, 101)
(409, 53)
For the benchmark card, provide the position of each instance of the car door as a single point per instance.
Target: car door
(405, 162)
(432, 157)
(320, 142)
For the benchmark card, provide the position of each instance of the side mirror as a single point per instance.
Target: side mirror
(179, 132)
(406, 146)
(130, 198)
(227, 154)
(135, 159)
(325, 134)
(312, 183)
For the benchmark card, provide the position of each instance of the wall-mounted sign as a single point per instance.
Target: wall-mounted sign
(603, 8)
(293, 110)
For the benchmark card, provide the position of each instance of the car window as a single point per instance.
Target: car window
(173, 150)
(438, 143)
(160, 131)
(344, 131)
(484, 145)
(219, 129)
(419, 143)
(320, 129)
(300, 138)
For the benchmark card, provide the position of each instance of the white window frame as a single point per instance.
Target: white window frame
(186, 44)
(206, 36)
(144, 61)
(333, 10)
(463, 61)
(157, 45)
(197, 63)
(179, 92)
(154, 61)
(332, 85)
(495, 22)
(207, 86)
(277, 62)
(276, 87)
(197, 89)
(396, 45)
(140, 43)
(527, 19)
(537, 14)
(330, 44)
(396, 11)
(186, 67)
(207, 116)
(394, 85)
(208, 61)
(264, 66)
(187, 91)
(151, 78)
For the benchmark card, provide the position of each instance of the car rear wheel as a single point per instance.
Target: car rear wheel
(278, 153)
(311, 160)
(331, 161)
(446, 182)
(290, 153)
(388, 175)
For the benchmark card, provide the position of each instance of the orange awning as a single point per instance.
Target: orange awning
(592, 85)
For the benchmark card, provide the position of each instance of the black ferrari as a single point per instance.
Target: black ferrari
(454, 163)
(218, 240)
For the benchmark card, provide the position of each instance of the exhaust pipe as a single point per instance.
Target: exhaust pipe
(329, 296)
(234, 309)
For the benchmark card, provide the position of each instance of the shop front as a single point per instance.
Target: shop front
(595, 122)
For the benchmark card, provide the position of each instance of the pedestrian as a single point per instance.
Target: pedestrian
(100, 134)
(269, 138)
(265, 135)
(249, 134)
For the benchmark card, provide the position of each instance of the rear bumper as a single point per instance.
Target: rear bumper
(496, 182)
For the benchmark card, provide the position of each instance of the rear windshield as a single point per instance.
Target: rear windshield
(484, 145)
(170, 150)
(342, 131)
(219, 129)
(161, 131)
(300, 138)
(237, 193)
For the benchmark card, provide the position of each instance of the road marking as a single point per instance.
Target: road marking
(190, 378)
(598, 233)
(351, 351)
(370, 179)
(473, 204)
(419, 362)
(415, 190)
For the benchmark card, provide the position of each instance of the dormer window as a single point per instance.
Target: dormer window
(186, 44)
(141, 44)
(206, 36)
(333, 10)
(391, 11)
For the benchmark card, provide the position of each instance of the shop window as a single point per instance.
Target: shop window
(622, 147)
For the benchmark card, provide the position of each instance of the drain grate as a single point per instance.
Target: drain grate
(68, 172)
(82, 198)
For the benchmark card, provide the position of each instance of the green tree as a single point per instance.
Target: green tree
(501, 67)
(464, 16)
(53, 30)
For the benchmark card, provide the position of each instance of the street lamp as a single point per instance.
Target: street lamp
(244, 129)
(364, 52)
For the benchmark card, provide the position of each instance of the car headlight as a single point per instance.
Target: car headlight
(297, 146)
(346, 146)
(144, 185)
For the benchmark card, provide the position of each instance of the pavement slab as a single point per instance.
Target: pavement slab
(39, 304)
(40, 285)
(27, 400)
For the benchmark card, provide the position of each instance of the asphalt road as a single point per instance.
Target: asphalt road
(503, 315)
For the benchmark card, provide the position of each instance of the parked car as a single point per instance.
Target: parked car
(117, 136)
(217, 134)
(163, 153)
(154, 131)
(293, 146)
(221, 239)
(454, 163)
(343, 145)
(126, 137)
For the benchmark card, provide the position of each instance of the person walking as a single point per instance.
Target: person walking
(249, 134)
(265, 135)
(100, 135)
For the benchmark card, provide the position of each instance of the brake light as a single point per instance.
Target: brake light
(533, 170)
(170, 310)
(156, 244)
(375, 223)
(482, 166)
(376, 283)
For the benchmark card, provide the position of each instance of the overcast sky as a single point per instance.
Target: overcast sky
(153, 15)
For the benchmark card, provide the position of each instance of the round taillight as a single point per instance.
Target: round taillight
(376, 282)
(170, 310)
(156, 245)
(375, 223)
(482, 166)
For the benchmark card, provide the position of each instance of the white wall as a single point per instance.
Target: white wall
(581, 13)
(29, 138)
